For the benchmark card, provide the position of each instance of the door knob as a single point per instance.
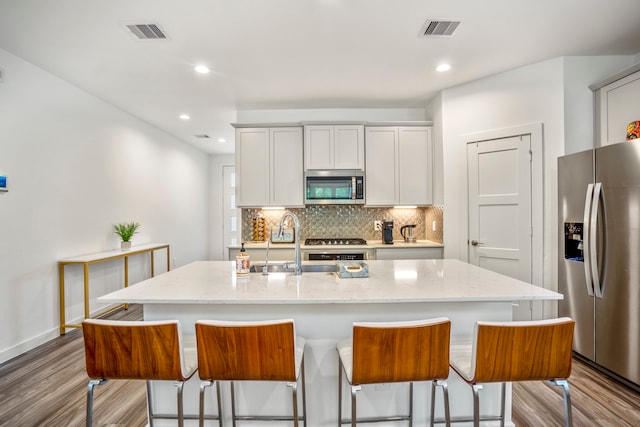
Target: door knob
(476, 243)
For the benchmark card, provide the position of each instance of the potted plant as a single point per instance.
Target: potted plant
(126, 230)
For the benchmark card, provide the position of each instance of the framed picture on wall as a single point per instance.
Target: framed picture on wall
(3, 183)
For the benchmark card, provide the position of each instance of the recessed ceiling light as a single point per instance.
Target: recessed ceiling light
(185, 116)
(202, 69)
(443, 67)
(222, 140)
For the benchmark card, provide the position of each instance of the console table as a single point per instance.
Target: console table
(96, 258)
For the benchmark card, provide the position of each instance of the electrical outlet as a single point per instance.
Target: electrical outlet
(377, 225)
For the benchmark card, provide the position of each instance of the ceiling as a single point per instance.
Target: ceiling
(296, 54)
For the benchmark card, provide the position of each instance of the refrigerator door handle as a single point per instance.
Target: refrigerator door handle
(586, 247)
(595, 274)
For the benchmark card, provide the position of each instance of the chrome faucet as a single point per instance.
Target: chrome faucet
(265, 268)
(296, 223)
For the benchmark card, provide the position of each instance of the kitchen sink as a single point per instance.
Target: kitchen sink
(290, 268)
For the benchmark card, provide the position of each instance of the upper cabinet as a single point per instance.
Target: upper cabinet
(617, 105)
(269, 167)
(399, 166)
(333, 147)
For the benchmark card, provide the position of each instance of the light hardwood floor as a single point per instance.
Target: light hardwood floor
(47, 387)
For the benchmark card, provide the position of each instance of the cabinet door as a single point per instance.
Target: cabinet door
(618, 107)
(318, 147)
(287, 174)
(415, 166)
(380, 153)
(409, 253)
(252, 167)
(349, 147)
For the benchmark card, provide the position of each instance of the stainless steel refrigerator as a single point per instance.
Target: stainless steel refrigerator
(599, 254)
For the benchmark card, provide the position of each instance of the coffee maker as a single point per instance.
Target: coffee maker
(387, 232)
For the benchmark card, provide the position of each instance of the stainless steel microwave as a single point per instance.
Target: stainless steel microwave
(334, 187)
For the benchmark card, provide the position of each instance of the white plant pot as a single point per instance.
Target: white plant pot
(125, 246)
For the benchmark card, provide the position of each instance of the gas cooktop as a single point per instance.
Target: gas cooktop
(335, 241)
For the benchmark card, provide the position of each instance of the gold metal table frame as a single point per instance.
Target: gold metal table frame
(100, 257)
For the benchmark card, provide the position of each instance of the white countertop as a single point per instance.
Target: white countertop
(371, 244)
(435, 280)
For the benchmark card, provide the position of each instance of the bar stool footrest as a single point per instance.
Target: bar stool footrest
(468, 419)
(377, 419)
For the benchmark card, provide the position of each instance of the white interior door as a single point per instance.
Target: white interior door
(500, 223)
(231, 214)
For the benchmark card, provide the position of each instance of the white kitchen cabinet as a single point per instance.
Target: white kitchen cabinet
(334, 147)
(269, 167)
(617, 105)
(399, 166)
(409, 253)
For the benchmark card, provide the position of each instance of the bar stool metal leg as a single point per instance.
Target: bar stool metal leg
(90, 386)
(150, 414)
(304, 395)
(445, 395)
(476, 404)
(502, 403)
(203, 386)
(411, 404)
(354, 390)
(180, 386)
(339, 392)
(233, 404)
(294, 394)
(567, 400)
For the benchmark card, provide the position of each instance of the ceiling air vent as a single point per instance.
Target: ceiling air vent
(438, 28)
(147, 31)
(202, 136)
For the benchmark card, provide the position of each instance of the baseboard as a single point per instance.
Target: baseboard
(30, 344)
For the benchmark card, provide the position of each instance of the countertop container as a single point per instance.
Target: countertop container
(352, 269)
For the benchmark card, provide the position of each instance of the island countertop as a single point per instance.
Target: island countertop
(433, 280)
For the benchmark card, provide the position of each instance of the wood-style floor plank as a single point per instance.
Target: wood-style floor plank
(47, 387)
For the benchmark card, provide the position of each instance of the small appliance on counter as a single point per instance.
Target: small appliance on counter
(387, 232)
(407, 232)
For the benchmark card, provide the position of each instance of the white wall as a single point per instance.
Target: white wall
(75, 166)
(531, 94)
(554, 93)
(328, 114)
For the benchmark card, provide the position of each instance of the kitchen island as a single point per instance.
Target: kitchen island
(324, 307)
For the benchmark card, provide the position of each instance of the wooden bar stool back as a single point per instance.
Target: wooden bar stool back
(390, 352)
(251, 351)
(137, 350)
(516, 351)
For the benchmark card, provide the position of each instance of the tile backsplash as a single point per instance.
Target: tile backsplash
(351, 221)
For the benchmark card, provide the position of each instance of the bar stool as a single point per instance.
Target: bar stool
(516, 351)
(251, 351)
(386, 352)
(138, 350)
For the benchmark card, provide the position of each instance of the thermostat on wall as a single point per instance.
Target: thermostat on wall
(3, 183)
